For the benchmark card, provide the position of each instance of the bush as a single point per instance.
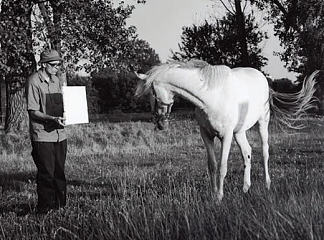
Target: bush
(116, 91)
(92, 94)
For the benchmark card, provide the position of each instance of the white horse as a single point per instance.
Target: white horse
(228, 102)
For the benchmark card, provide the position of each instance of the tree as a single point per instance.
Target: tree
(242, 33)
(237, 12)
(300, 28)
(112, 48)
(300, 34)
(94, 30)
(219, 42)
(116, 88)
(16, 57)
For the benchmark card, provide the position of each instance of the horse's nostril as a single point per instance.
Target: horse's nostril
(160, 125)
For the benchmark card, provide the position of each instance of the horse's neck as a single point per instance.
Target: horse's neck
(189, 87)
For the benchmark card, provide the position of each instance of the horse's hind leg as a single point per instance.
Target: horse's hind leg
(246, 150)
(212, 166)
(263, 130)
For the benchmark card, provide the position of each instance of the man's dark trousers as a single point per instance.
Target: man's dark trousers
(49, 158)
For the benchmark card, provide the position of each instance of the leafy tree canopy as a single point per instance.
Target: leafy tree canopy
(300, 28)
(92, 30)
(219, 43)
(96, 30)
(16, 57)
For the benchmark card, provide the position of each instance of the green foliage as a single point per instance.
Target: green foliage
(95, 31)
(116, 91)
(92, 31)
(284, 85)
(144, 57)
(92, 94)
(300, 28)
(16, 56)
(116, 88)
(219, 42)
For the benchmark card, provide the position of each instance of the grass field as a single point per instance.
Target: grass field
(127, 181)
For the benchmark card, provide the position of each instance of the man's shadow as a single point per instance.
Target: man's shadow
(21, 209)
(15, 183)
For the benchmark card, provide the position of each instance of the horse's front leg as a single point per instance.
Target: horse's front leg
(246, 154)
(212, 166)
(226, 141)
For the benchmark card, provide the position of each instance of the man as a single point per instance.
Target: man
(48, 137)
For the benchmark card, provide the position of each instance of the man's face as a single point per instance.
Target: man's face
(52, 67)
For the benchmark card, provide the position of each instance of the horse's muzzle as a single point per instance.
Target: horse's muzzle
(161, 123)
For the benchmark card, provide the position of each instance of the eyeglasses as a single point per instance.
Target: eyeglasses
(54, 64)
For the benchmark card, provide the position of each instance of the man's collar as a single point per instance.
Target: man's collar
(44, 77)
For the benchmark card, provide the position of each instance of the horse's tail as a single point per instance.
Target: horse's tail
(289, 108)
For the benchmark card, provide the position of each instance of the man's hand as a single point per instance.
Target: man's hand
(44, 117)
(60, 121)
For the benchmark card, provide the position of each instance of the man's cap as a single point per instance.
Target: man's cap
(49, 56)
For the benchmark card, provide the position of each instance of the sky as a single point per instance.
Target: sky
(160, 23)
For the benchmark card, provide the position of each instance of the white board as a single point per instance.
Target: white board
(75, 105)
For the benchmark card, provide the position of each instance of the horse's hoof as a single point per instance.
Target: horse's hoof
(246, 188)
(219, 198)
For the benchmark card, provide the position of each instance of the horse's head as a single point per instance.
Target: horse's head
(161, 100)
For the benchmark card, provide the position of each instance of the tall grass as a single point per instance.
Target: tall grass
(128, 181)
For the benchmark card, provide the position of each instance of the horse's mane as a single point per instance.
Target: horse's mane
(211, 75)
(214, 75)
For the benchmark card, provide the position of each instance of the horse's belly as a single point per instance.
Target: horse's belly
(215, 124)
(248, 114)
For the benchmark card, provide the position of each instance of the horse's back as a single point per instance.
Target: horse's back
(250, 83)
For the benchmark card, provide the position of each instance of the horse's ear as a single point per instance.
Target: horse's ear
(140, 88)
(141, 75)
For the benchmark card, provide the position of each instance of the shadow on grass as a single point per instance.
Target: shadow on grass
(15, 181)
(21, 209)
(93, 190)
(10, 185)
(120, 116)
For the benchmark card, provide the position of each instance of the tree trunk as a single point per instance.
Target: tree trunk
(3, 101)
(54, 30)
(16, 114)
(57, 14)
(240, 19)
(53, 25)
(19, 59)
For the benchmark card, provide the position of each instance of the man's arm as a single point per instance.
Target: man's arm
(44, 117)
